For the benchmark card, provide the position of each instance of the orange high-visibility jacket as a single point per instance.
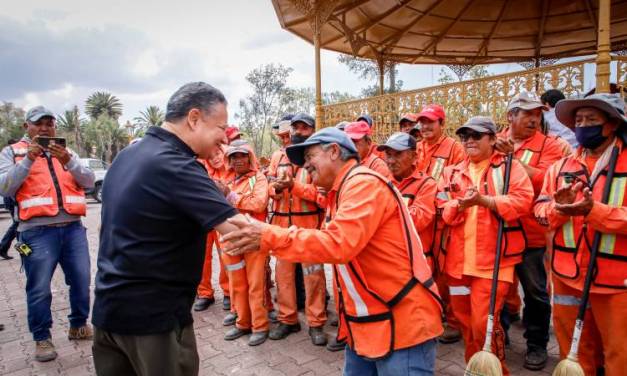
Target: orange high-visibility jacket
(419, 191)
(511, 207)
(574, 235)
(538, 152)
(373, 162)
(47, 188)
(252, 189)
(431, 159)
(298, 206)
(386, 297)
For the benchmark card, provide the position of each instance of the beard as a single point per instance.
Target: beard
(298, 139)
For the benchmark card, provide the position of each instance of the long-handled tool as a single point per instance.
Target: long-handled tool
(570, 366)
(484, 362)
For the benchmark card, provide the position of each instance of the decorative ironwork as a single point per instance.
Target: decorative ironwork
(544, 62)
(484, 96)
(460, 69)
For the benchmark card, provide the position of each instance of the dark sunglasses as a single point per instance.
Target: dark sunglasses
(474, 135)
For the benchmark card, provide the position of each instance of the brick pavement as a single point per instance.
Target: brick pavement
(293, 356)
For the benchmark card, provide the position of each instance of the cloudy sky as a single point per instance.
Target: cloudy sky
(58, 52)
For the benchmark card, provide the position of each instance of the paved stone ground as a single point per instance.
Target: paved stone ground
(293, 356)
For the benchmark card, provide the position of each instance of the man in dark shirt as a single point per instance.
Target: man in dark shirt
(158, 206)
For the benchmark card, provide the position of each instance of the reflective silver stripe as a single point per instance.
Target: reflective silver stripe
(75, 199)
(37, 201)
(360, 306)
(459, 290)
(20, 152)
(567, 300)
(312, 269)
(234, 267)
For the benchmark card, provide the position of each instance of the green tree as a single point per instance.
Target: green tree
(106, 136)
(11, 123)
(70, 122)
(445, 77)
(151, 116)
(100, 103)
(368, 70)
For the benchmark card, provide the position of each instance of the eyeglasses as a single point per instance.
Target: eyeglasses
(471, 135)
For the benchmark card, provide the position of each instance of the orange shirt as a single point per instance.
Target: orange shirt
(366, 227)
(252, 189)
(373, 162)
(431, 159)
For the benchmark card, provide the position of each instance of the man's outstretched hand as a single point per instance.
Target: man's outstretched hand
(247, 238)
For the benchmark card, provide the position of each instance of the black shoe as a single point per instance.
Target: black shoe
(273, 317)
(318, 337)
(513, 317)
(335, 345)
(226, 303)
(284, 330)
(235, 333)
(536, 359)
(450, 335)
(5, 254)
(258, 338)
(229, 319)
(202, 304)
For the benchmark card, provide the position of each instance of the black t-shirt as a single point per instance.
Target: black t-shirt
(158, 205)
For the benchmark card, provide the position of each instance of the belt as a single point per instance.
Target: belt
(60, 224)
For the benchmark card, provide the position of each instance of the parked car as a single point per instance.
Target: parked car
(100, 170)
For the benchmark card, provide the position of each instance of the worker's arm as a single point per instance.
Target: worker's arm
(12, 175)
(422, 209)
(255, 201)
(608, 219)
(551, 153)
(544, 206)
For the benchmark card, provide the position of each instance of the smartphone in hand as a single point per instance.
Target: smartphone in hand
(44, 142)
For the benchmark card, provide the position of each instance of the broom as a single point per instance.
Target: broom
(570, 366)
(484, 362)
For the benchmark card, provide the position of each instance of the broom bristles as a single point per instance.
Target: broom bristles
(484, 363)
(568, 367)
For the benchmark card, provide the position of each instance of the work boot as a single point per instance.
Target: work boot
(203, 303)
(284, 330)
(229, 319)
(226, 303)
(273, 317)
(257, 338)
(536, 358)
(4, 253)
(450, 335)
(85, 332)
(235, 333)
(335, 345)
(318, 337)
(44, 351)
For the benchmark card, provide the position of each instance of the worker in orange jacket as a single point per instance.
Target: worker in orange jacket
(388, 303)
(359, 132)
(571, 205)
(473, 204)
(418, 189)
(536, 153)
(217, 171)
(248, 192)
(435, 152)
(295, 204)
(407, 123)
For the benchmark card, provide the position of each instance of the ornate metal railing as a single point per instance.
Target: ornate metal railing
(461, 100)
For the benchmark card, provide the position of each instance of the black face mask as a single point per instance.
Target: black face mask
(298, 139)
(590, 137)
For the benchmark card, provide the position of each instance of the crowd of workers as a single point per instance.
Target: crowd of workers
(410, 227)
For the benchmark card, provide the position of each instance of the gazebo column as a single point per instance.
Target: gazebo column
(603, 48)
(319, 109)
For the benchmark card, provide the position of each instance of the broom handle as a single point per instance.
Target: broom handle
(574, 346)
(487, 345)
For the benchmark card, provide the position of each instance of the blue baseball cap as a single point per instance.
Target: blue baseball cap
(330, 135)
(37, 113)
(303, 117)
(399, 141)
(366, 118)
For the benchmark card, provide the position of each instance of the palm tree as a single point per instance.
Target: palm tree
(151, 116)
(72, 122)
(100, 103)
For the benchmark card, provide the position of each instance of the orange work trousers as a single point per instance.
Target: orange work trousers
(247, 275)
(442, 283)
(315, 293)
(205, 289)
(470, 300)
(604, 335)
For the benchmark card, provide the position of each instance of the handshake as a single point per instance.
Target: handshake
(241, 234)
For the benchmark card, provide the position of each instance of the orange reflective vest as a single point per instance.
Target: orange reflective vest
(431, 159)
(366, 319)
(373, 162)
(419, 191)
(511, 207)
(572, 240)
(252, 189)
(48, 188)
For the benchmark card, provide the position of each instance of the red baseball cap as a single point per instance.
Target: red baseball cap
(232, 132)
(357, 130)
(432, 112)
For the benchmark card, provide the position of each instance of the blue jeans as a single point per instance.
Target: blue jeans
(68, 247)
(418, 360)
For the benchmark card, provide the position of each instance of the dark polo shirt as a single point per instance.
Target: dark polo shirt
(158, 205)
